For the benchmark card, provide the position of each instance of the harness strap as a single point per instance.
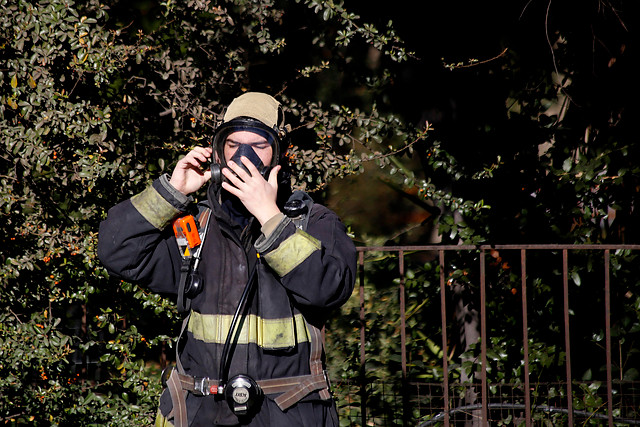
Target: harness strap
(293, 389)
(185, 323)
(203, 386)
(178, 400)
(315, 360)
(294, 395)
(283, 385)
(314, 382)
(177, 391)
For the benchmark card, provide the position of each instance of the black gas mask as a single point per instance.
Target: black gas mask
(272, 136)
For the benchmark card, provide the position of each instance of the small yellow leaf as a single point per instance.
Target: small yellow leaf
(32, 82)
(14, 81)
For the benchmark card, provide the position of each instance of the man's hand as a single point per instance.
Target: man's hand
(188, 175)
(255, 193)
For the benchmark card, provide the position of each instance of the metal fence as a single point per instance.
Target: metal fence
(524, 401)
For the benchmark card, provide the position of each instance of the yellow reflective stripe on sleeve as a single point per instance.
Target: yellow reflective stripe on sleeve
(266, 333)
(292, 252)
(154, 208)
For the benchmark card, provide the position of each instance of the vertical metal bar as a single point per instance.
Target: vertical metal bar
(403, 340)
(403, 333)
(363, 373)
(483, 339)
(567, 336)
(525, 337)
(445, 350)
(607, 311)
(83, 320)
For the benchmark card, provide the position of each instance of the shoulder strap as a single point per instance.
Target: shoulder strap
(318, 380)
(176, 390)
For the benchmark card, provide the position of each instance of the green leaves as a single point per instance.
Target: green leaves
(59, 162)
(92, 108)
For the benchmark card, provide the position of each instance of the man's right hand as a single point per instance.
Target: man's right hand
(188, 175)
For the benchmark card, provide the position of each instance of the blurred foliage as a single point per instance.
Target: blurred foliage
(514, 127)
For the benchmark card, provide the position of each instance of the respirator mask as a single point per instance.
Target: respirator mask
(246, 124)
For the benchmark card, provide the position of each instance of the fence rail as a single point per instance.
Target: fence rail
(446, 413)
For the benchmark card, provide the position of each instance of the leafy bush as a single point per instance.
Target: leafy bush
(93, 105)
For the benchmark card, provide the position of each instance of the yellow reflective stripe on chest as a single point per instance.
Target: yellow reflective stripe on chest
(266, 333)
(292, 252)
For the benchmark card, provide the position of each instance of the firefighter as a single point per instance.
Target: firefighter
(257, 279)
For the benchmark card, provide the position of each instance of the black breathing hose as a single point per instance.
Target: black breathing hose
(224, 369)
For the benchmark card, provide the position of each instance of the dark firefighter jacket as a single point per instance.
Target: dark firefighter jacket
(301, 277)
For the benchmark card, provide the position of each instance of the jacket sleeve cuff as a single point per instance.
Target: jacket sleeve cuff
(173, 196)
(271, 225)
(160, 203)
(268, 239)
